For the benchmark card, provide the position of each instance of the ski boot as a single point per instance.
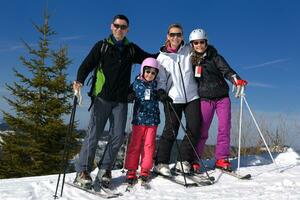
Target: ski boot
(106, 179)
(145, 175)
(131, 177)
(223, 164)
(195, 169)
(83, 179)
(162, 169)
(185, 168)
(145, 178)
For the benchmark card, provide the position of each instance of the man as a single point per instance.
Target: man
(115, 56)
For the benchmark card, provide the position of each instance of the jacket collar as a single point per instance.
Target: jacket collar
(111, 40)
(164, 48)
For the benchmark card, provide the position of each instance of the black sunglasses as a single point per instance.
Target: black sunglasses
(175, 34)
(199, 42)
(120, 26)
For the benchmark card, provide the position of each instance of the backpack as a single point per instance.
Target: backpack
(97, 78)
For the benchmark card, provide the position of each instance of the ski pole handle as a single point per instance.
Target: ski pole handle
(79, 97)
(77, 91)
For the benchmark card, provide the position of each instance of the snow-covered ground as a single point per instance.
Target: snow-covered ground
(269, 181)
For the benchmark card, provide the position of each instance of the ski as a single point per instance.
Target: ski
(233, 174)
(199, 179)
(130, 186)
(236, 175)
(203, 176)
(97, 186)
(91, 191)
(179, 182)
(111, 192)
(145, 185)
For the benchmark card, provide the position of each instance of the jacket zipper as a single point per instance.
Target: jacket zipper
(182, 82)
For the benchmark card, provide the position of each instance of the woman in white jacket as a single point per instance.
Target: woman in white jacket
(178, 90)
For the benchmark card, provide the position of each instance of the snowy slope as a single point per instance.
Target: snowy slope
(270, 181)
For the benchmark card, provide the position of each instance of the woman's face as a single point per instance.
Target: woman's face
(199, 46)
(175, 37)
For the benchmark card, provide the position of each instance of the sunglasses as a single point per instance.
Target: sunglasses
(199, 42)
(150, 72)
(175, 34)
(120, 26)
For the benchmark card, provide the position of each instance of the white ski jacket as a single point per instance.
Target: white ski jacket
(176, 75)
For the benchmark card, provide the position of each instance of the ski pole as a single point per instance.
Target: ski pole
(125, 151)
(64, 162)
(186, 133)
(179, 153)
(128, 136)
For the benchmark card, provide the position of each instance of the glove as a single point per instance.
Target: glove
(131, 97)
(240, 82)
(237, 81)
(163, 96)
(239, 85)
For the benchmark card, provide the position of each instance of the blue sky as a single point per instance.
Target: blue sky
(259, 39)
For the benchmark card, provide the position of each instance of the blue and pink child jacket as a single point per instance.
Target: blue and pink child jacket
(145, 112)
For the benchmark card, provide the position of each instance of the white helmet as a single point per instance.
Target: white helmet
(198, 34)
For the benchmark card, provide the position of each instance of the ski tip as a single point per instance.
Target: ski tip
(246, 177)
(191, 185)
(211, 178)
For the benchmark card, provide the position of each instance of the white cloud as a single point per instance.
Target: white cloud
(266, 63)
(262, 85)
(11, 48)
(74, 37)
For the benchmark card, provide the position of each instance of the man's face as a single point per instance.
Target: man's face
(119, 29)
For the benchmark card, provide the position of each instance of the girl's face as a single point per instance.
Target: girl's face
(175, 37)
(199, 46)
(150, 74)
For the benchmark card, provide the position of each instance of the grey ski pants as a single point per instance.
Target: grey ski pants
(100, 112)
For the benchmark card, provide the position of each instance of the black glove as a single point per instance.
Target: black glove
(131, 97)
(163, 96)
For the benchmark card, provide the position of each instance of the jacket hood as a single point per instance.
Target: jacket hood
(211, 51)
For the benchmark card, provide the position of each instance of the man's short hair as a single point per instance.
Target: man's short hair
(123, 17)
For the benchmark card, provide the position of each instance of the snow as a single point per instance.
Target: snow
(269, 181)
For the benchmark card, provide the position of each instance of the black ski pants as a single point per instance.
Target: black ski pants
(192, 114)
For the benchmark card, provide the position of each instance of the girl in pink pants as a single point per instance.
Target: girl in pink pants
(145, 122)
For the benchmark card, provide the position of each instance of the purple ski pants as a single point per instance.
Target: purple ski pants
(223, 109)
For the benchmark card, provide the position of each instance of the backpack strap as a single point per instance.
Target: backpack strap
(93, 78)
(131, 50)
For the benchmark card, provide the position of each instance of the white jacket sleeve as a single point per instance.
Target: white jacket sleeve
(162, 78)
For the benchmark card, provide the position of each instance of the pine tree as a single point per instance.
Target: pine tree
(40, 101)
